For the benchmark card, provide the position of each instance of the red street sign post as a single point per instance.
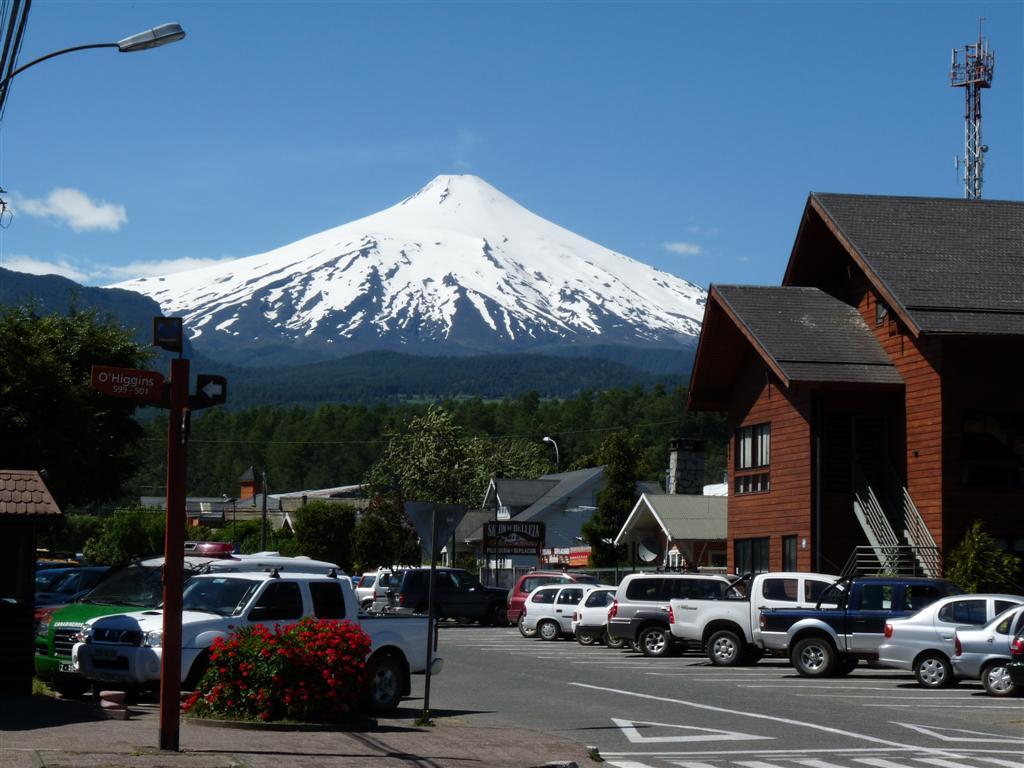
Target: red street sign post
(131, 383)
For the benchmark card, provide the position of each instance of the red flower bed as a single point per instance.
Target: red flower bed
(313, 671)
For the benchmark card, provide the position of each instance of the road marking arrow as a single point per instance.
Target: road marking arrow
(629, 730)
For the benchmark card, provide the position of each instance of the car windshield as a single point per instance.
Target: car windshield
(67, 583)
(220, 595)
(135, 584)
(46, 579)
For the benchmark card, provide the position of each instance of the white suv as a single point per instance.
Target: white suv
(549, 610)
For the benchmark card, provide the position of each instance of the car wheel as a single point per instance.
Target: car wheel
(195, 674)
(548, 630)
(813, 657)
(725, 648)
(524, 631)
(585, 638)
(655, 641)
(613, 642)
(365, 605)
(996, 680)
(844, 667)
(385, 685)
(933, 670)
(497, 616)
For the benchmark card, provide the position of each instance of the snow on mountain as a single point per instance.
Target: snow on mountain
(456, 267)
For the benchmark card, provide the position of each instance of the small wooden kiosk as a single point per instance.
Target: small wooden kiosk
(25, 504)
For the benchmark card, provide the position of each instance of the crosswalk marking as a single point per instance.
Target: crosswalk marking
(878, 762)
(813, 763)
(941, 763)
(757, 764)
(691, 764)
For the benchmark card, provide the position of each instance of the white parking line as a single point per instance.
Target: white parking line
(756, 764)
(943, 706)
(878, 762)
(824, 687)
(938, 761)
(997, 761)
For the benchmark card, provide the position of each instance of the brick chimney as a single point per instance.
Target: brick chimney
(686, 466)
(249, 485)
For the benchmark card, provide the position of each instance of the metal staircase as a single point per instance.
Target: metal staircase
(915, 553)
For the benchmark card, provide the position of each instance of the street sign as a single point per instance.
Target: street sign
(210, 390)
(167, 333)
(513, 538)
(128, 382)
(448, 517)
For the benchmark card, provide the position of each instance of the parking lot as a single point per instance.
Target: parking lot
(681, 711)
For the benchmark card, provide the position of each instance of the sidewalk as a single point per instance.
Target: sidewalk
(42, 731)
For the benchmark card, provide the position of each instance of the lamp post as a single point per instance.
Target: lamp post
(547, 439)
(151, 38)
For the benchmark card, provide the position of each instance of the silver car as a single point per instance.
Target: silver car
(923, 643)
(983, 653)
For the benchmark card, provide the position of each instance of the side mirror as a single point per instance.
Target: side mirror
(261, 613)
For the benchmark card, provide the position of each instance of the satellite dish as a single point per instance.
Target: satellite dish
(649, 549)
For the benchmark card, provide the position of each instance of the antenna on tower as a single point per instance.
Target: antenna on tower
(972, 69)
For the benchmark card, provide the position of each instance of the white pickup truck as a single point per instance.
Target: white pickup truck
(125, 648)
(729, 627)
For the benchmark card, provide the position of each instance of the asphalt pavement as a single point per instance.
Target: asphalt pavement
(677, 711)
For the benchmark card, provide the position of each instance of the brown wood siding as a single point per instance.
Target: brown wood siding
(785, 509)
(919, 361)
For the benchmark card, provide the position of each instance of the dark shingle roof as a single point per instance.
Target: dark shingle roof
(956, 266)
(810, 335)
(522, 493)
(23, 493)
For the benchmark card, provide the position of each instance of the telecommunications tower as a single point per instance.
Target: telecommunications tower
(971, 70)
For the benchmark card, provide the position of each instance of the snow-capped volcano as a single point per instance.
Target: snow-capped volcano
(457, 267)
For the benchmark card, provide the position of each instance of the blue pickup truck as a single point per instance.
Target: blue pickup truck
(830, 640)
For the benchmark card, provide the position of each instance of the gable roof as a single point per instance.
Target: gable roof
(568, 484)
(516, 493)
(23, 493)
(802, 334)
(680, 516)
(948, 266)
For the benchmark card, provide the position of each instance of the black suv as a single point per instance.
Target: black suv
(458, 594)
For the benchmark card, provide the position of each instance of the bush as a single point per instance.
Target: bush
(978, 565)
(313, 671)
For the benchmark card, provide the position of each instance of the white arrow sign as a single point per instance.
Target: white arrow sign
(629, 730)
(213, 390)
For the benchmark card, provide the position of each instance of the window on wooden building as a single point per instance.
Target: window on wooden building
(751, 555)
(753, 452)
(993, 450)
(789, 553)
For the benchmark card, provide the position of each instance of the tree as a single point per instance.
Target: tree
(978, 565)
(125, 533)
(50, 418)
(383, 536)
(620, 456)
(324, 530)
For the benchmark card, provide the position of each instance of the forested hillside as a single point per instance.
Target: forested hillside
(305, 448)
(393, 377)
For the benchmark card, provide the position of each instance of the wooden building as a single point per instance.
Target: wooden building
(25, 504)
(875, 396)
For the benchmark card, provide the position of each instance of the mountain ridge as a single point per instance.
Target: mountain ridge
(457, 268)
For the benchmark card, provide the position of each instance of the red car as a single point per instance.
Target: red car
(528, 582)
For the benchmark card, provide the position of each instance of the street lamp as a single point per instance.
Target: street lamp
(151, 38)
(547, 439)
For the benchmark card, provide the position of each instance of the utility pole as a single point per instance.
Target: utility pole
(263, 527)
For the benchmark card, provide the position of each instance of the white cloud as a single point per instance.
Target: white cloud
(32, 266)
(686, 249)
(158, 268)
(74, 208)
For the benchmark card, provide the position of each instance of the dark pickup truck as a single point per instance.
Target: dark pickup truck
(830, 641)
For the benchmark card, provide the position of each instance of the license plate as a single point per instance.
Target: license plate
(104, 654)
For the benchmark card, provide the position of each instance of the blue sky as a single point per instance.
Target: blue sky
(686, 135)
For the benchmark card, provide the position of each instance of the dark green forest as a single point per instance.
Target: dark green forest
(331, 445)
